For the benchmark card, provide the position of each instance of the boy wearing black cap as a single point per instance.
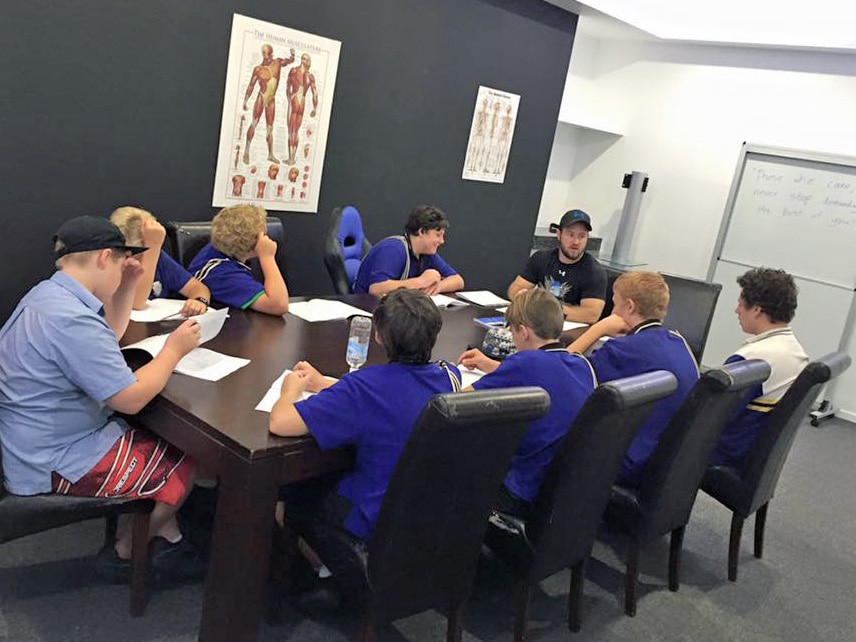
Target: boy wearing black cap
(568, 271)
(62, 376)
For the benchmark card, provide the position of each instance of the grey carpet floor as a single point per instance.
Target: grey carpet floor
(801, 590)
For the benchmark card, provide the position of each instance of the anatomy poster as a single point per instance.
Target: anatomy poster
(490, 135)
(276, 111)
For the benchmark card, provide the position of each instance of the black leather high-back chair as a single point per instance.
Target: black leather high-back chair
(611, 274)
(750, 490)
(432, 522)
(665, 497)
(345, 246)
(21, 516)
(691, 306)
(575, 490)
(186, 238)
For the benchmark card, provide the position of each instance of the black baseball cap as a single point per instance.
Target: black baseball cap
(86, 233)
(569, 218)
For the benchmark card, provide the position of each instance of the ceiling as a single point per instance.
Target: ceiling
(788, 24)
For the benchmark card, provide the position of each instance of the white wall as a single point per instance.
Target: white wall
(684, 111)
(559, 172)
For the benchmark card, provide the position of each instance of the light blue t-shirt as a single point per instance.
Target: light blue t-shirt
(59, 363)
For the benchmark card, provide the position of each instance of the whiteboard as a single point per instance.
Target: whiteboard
(797, 214)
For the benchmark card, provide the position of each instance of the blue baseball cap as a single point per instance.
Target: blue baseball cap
(569, 218)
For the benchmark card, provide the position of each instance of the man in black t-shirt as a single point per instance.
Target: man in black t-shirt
(568, 271)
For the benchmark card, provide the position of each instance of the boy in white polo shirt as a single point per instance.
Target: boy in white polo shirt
(765, 307)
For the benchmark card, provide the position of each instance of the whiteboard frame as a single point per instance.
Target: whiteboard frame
(781, 152)
(789, 154)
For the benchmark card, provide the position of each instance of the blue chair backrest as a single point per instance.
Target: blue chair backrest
(350, 236)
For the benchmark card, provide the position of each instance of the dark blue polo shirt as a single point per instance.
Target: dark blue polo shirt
(569, 379)
(374, 409)
(648, 347)
(387, 259)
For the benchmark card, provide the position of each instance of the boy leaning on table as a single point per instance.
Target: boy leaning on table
(237, 235)
(641, 345)
(373, 409)
(535, 321)
(61, 378)
(163, 276)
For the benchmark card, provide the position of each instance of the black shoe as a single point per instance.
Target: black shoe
(173, 563)
(323, 601)
(112, 568)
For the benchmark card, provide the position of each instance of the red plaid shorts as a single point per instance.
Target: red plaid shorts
(138, 466)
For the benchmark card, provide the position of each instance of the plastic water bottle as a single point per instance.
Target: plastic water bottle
(358, 342)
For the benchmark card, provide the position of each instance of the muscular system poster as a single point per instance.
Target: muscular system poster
(490, 135)
(276, 112)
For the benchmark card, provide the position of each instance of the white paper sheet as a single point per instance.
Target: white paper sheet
(272, 395)
(203, 363)
(158, 310)
(469, 377)
(152, 345)
(484, 298)
(443, 301)
(571, 325)
(323, 310)
(199, 362)
(211, 323)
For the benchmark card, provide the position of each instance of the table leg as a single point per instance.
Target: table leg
(240, 550)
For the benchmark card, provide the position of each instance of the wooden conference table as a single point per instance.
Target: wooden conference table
(216, 423)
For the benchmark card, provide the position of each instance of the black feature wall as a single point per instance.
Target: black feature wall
(110, 102)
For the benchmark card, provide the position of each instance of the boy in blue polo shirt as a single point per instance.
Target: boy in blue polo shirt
(410, 261)
(765, 307)
(62, 376)
(535, 320)
(641, 344)
(238, 234)
(361, 410)
(163, 276)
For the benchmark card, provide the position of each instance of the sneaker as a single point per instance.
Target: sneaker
(112, 568)
(172, 563)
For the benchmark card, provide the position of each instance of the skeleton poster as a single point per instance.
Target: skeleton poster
(490, 135)
(276, 112)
